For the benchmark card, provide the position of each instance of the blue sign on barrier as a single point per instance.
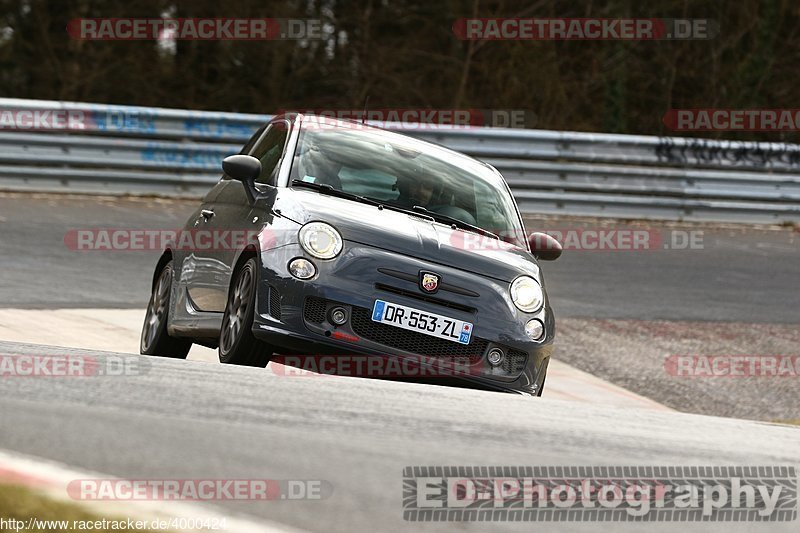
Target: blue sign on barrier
(191, 158)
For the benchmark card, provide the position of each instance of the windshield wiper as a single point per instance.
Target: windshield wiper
(324, 188)
(417, 210)
(454, 221)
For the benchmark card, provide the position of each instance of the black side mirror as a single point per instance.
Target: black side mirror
(544, 246)
(244, 168)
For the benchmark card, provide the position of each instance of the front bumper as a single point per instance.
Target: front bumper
(293, 316)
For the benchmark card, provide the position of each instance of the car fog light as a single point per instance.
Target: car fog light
(338, 316)
(534, 329)
(495, 356)
(302, 268)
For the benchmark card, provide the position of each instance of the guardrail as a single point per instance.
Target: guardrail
(107, 149)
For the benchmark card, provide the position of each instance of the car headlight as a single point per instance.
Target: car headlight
(527, 294)
(321, 240)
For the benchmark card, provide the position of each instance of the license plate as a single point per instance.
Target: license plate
(422, 322)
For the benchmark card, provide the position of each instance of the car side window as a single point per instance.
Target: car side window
(249, 146)
(269, 151)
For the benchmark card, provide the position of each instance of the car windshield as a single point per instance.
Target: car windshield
(404, 172)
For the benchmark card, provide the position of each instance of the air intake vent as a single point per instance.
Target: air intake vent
(314, 311)
(274, 303)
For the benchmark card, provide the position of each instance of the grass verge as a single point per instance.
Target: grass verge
(33, 512)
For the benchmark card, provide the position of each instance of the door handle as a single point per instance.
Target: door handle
(207, 214)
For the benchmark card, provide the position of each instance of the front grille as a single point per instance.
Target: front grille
(314, 310)
(411, 341)
(425, 298)
(274, 303)
(414, 278)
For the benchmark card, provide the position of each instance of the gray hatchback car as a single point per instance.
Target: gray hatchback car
(359, 243)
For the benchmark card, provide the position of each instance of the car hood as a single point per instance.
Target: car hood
(409, 235)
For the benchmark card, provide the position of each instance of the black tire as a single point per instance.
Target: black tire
(154, 339)
(237, 345)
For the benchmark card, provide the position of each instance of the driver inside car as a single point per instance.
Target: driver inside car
(418, 190)
(315, 167)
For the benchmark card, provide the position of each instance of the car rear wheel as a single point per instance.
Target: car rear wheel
(155, 340)
(237, 345)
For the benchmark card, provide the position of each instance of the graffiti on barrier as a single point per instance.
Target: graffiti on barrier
(728, 153)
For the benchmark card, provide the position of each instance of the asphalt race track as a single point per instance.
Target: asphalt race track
(184, 419)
